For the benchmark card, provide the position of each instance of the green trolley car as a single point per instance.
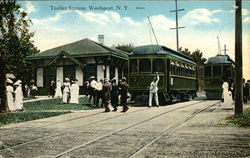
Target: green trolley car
(217, 69)
(177, 72)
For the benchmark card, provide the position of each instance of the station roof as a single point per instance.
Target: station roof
(220, 59)
(82, 48)
(161, 50)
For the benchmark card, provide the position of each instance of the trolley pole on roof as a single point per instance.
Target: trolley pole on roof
(238, 59)
(225, 49)
(177, 25)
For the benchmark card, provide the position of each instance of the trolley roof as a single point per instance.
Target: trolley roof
(160, 50)
(220, 59)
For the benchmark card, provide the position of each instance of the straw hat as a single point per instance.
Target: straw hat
(9, 80)
(17, 83)
(66, 79)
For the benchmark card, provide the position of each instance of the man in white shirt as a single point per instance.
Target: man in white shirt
(92, 90)
(153, 91)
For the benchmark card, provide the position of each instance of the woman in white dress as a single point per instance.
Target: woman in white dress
(66, 91)
(74, 93)
(226, 94)
(18, 95)
(10, 91)
(58, 89)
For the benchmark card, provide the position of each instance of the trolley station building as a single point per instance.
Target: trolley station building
(78, 60)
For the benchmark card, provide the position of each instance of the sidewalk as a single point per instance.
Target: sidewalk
(39, 98)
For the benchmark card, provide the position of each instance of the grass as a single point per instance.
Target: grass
(241, 120)
(42, 109)
(8, 118)
(56, 104)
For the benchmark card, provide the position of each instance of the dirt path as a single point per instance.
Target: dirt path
(187, 129)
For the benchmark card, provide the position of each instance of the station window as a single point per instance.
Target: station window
(145, 66)
(207, 70)
(133, 66)
(216, 71)
(158, 65)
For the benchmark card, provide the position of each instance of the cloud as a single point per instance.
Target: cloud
(105, 18)
(200, 15)
(162, 22)
(246, 20)
(118, 35)
(243, 11)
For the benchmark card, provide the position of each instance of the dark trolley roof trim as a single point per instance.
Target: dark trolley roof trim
(160, 50)
(220, 59)
(82, 48)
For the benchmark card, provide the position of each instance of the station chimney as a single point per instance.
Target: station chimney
(101, 39)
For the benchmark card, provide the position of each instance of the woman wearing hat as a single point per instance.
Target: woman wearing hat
(10, 91)
(18, 95)
(74, 92)
(66, 91)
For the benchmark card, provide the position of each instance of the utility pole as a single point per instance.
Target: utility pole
(238, 59)
(177, 25)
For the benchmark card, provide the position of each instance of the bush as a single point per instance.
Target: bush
(241, 120)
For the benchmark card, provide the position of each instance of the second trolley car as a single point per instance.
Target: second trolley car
(217, 69)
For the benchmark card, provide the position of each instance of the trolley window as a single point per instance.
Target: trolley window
(172, 67)
(178, 69)
(145, 66)
(133, 66)
(207, 70)
(158, 65)
(226, 71)
(216, 71)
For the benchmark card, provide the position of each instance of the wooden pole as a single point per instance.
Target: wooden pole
(238, 59)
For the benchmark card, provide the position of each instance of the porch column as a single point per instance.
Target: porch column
(39, 77)
(100, 72)
(79, 75)
(59, 73)
(116, 74)
(107, 72)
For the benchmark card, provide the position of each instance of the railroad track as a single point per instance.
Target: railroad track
(61, 133)
(168, 131)
(135, 125)
(95, 122)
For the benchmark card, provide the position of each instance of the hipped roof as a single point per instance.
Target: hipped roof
(220, 59)
(82, 48)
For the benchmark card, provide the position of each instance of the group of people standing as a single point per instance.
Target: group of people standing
(108, 92)
(14, 95)
(228, 95)
(68, 91)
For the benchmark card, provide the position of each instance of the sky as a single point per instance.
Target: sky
(123, 22)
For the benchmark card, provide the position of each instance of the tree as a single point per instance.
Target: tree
(125, 47)
(15, 45)
(198, 58)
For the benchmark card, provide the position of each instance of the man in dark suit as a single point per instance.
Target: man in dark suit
(124, 94)
(114, 94)
(106, 95)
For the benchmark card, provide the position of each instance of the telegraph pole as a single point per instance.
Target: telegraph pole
(177, 25)
(238, 59)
